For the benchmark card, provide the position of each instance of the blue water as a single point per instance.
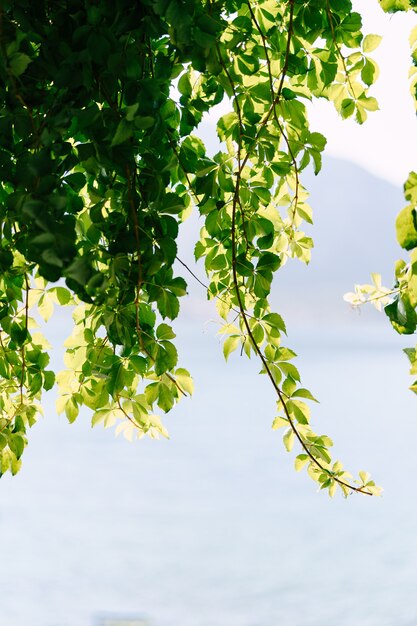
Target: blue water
(214, 528)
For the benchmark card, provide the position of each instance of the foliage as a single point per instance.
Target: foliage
(101, 164)
(400, 302)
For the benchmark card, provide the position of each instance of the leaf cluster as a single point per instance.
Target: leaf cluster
(400, 302)
(101, 163)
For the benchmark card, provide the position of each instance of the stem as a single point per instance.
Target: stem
(130, 186)
(342, 58)
(236, 205)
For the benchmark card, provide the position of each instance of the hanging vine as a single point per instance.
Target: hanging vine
(400, 301)
(101, 163)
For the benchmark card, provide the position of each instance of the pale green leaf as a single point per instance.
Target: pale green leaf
(371, 43)
(300, 461)
(230, 344)
(288, 439)
(45, 307)
(364, 476)
(304, 393)
(184, 380)
(279, 422)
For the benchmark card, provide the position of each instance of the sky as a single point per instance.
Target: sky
(386, 144)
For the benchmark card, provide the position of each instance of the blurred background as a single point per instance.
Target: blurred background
(214, 527)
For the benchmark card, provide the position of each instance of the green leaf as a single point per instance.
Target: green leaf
(76, 181)
(151, 393)
(45, 307)
(288, 439)
(219, 262)
(270, 261)
(184, 85)
(230, 344)
(275, 321)
(368, 72)
(164, 331)
(99, 416)
(3, 441)
(247, 64)
(300, 410)
(48, 380)
(304, 393)
(402, 315)
(166, 358)
(406, 227)
(63, 295)
(318, 141)
(71, 409)
(35, 383)
(371, 43)
(168, 305)
(17, 445)
(411, 354)
(18, 63)
(300, 461)
(288, 94)
(124, 131)
(18, 334)
(347, 108)
(226, 125)
(130, 111)
(184, 380)
(320, 452)
(289, 370)
(119, 377)
(332, 488)
(262, 284)
(364, 476)
(370, 104)
(288, 387)
(279, 422)
(139, 364)
(410, 188)
(15, 465)
(165, 398)
(243, 266)
(178, 286)
(143, 122)
(147, 316)
(392, 6)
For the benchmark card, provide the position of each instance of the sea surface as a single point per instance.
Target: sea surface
(214, 527)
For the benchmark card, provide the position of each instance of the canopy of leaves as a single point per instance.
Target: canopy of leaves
(100, 164)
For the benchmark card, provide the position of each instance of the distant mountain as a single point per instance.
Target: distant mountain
(354, 235)
(354, 216)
